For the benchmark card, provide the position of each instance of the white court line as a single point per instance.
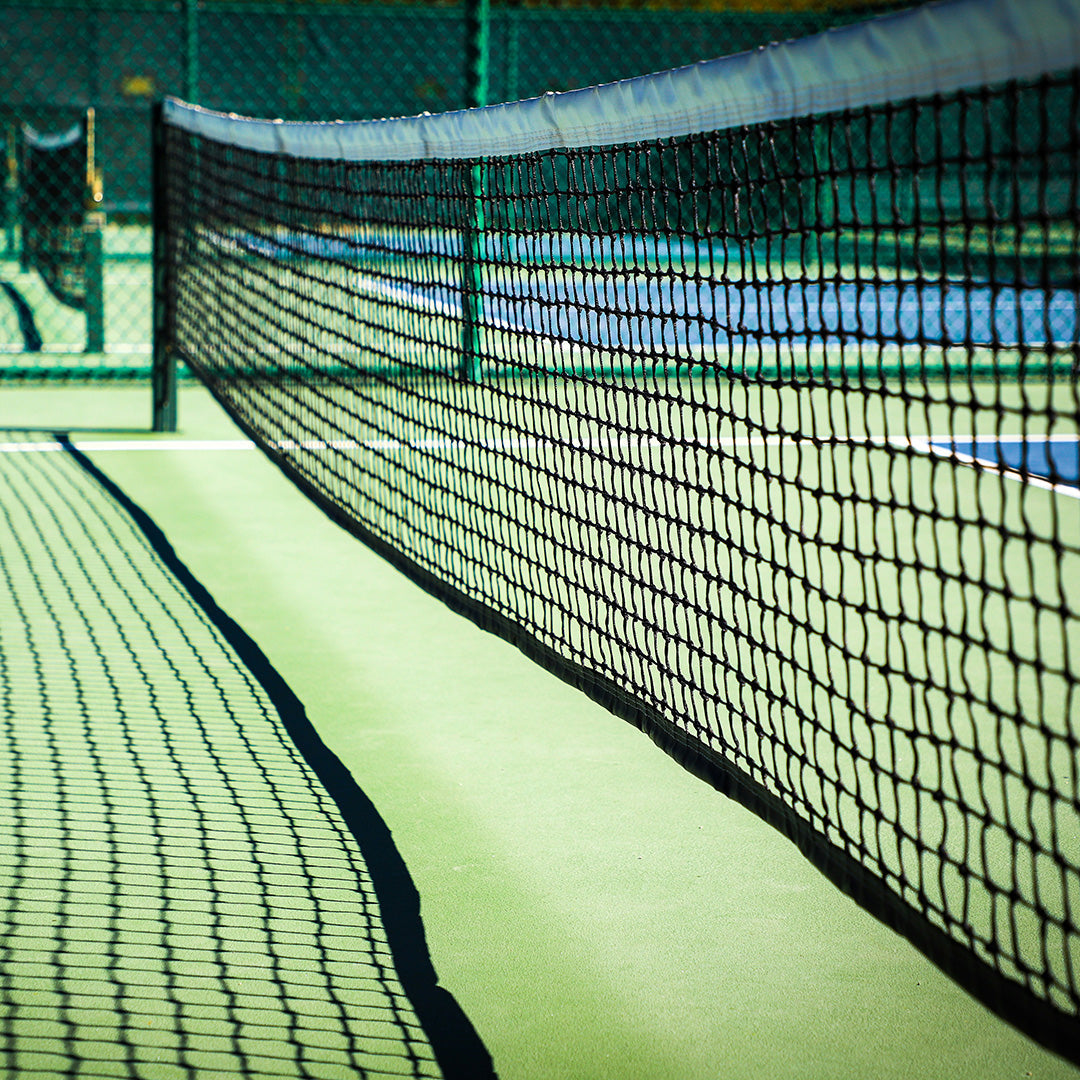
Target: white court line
(75, 349)
(47, 446)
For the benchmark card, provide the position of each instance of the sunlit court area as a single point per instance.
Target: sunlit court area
(577, 581)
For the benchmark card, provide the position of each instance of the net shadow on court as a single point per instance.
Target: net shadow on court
(190, 882)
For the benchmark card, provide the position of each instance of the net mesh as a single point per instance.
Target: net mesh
(53, 196)
(766, 437)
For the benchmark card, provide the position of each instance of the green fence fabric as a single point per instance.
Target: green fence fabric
(320, 60)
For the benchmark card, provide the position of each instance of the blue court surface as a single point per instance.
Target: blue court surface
(1055, 459)
(613, 292)
(639, 312)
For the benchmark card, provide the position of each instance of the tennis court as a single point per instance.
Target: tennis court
(738, 404)
(594, 909)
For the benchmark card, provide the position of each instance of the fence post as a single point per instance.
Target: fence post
(512, 66)
(191, 50)
(11, 191)
(477, 68)
(94, 256)
(19, 209)
(477, 52)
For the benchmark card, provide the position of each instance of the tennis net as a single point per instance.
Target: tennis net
(744, 397)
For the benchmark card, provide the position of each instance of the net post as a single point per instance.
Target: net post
(163, 372)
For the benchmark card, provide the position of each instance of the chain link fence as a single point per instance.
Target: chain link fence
(328, 59)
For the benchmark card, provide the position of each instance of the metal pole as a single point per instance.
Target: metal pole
(94, 254)
(512, 64)
(24, 239)
(477, 68)
(94, 243)
(191, 50)
(292, 66)
(11, 191)
(477, 52)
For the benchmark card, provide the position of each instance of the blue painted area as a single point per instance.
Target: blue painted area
(640, 295)
(1055, 460)
(654, 313)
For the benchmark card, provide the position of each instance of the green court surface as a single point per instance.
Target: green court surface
(594, 910)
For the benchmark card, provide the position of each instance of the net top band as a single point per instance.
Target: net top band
(936, 49)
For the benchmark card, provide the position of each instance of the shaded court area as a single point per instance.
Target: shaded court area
(181, 893)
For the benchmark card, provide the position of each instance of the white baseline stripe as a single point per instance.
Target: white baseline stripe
(92, 445)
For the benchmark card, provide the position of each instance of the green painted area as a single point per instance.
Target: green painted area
(597, 911)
